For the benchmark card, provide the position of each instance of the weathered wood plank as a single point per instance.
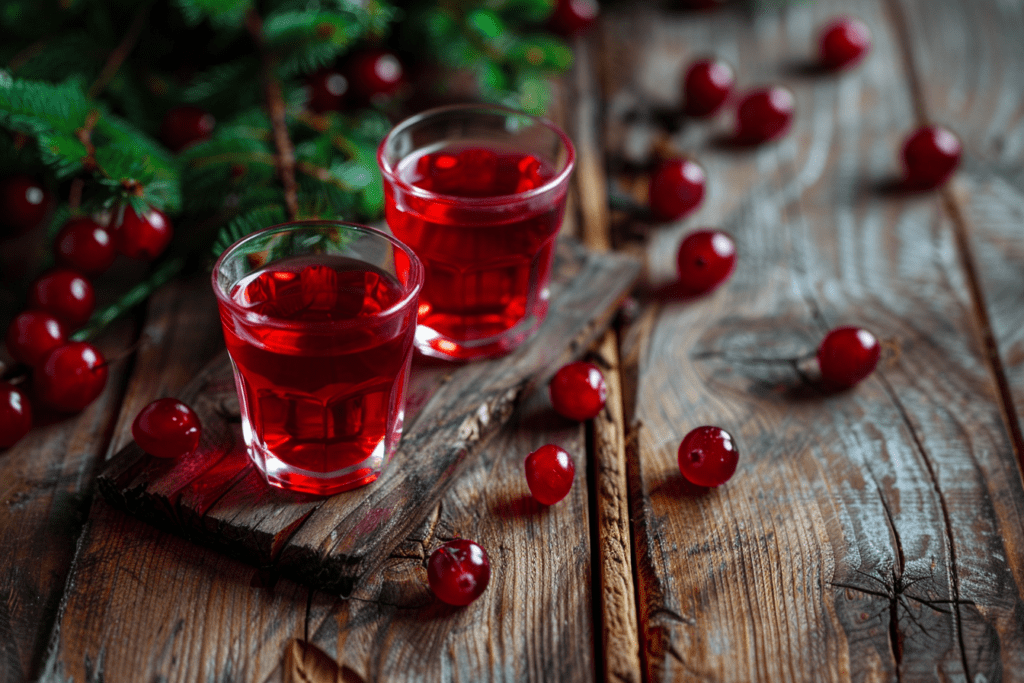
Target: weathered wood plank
(841, 550)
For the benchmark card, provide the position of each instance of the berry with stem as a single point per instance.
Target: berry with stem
(142, 237)
(705, 259)
(677, 188)
(578, 391)
(458, 572)
(84, 245)
(185, 125)
(706, 86)
(930, 156)
(65, 294)
(549, 474)
(847, 355)
(71, 377)
(24, 203)
(32, 335)
(844, 42)
(167, 428)
(708, 456)
(764, 114)
(15, 415)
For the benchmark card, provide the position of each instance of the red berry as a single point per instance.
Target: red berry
(706, 258)
(572, 16)
(458, 572)
(374, 73)
(844, 42)
(549, 474)
(764, 114)
(847, 355)
(23, 204)
(327, 89)
(85, 245)
(71, 376)
(930, 155)
(677, 188)
(142, 237)
(578, 391)
(15, 415)
(708, 456)
(167, 428)
(184, 125)
(32, 335)
(706, 86)
(66, 294)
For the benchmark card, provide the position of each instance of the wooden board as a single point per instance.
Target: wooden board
(218, 498)
(856, 541)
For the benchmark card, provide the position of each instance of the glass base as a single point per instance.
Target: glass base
(284, 476)
(432, 343)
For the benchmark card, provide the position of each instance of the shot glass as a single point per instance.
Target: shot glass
(319, 319)
(478, 192)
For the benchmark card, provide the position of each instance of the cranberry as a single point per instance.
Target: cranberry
(71, 376)
(85, 245)
(708, 456)
(677, 188)
(847, 355)
(327, 89)
(549, 474)
(32, 335)
(572, 16)
(23, 204)
(65, 294)
(706, 258)
(15, 415)
(578, 391)
(167, 428)
(184, 125)
(844, 42)
(142, 237)
(458, 572)
(374, 73)
(706, 86)
(764, 115)
(930, 155)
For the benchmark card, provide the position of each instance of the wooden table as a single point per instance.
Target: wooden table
(875, 534)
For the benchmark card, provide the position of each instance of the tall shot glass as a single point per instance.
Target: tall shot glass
(478, 192)
(319, 319)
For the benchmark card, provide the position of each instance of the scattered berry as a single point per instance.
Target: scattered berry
(458, 572)
(23, 204)
(706, 86)
(85, 245)
(572, 16)
(549, 474)
(15, 415)
(578, 391)
(167, 428)
(930, 155)
(142, 237)
(706, 258)
(374, 73)
(65, 294)
(844, 42)
(71, 376)
(32, 335)
(708, 456)
(677, 188)
(327, 89)
(847, 355)
(764, 115)
(184, 125)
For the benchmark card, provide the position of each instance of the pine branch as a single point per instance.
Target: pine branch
(276, 109)
(121, 52)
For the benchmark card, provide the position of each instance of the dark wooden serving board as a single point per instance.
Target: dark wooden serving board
(217, 498)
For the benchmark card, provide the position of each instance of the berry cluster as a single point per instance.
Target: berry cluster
(365, 77)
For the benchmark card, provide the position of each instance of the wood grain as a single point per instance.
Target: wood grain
(855, 541)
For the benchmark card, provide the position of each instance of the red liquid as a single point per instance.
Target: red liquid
(321, 376)
(487, 268)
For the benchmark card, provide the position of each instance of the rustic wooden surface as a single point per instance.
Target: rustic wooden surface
(869, 535)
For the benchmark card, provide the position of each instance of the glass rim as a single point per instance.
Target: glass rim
(416, 277)
(390, 174)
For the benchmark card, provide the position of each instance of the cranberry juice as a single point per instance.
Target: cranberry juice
(321, 373)
(486, 268)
